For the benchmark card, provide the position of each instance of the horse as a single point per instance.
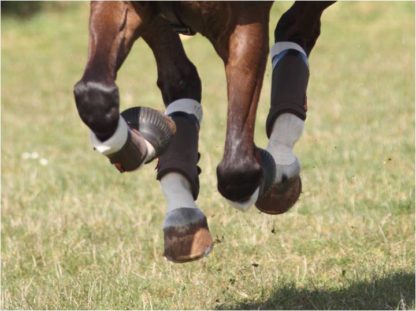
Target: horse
(247, 175)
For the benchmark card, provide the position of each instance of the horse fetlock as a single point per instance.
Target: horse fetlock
(126, 148)
(245, 206)
(186, 235)
(238, 180)
(132, 155)
(142, 135)
(286, 131)
(177, 191)
(183, 217)
(98, 105)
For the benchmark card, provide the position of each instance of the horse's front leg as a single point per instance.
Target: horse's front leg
(240, 173)
(114, 26)
(186, 232)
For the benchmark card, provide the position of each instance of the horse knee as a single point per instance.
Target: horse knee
(237, 180)
(180, 82)
(98, 107)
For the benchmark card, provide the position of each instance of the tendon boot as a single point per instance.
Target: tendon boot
(284, 126)
(186, 232)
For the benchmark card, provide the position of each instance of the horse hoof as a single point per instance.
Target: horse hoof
(186, 235)
(280, 197)
(276, 198)
(153, 125)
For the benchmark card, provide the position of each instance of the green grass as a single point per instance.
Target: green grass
(78, 235)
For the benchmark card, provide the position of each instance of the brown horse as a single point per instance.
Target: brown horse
(238, 31)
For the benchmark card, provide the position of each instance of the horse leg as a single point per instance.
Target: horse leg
(186, 232)
(114, 26)
(295, 36)
(244, 54)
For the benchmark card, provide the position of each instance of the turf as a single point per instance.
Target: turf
(76, 234)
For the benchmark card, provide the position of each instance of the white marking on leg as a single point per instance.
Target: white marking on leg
(115, 142)
(287, 129)
(245, 206)
(177, 191)
(175, 186)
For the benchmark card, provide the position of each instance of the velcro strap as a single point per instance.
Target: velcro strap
(187, 105)
(279, 50)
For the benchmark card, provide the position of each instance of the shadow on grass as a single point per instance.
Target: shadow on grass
(396, 291)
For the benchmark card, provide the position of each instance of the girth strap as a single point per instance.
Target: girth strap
(168, 10)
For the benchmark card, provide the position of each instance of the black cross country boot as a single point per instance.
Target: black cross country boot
(186, 232)
(289, 83)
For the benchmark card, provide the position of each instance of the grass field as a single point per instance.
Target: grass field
(76, 234)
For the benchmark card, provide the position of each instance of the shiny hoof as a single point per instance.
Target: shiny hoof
(280, 197)
(157, 128)
(186, 235)
(276, 198)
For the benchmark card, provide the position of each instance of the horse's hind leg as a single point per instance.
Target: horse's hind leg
(186, 230)
(114, 26)
(244, 54)
(295, 36)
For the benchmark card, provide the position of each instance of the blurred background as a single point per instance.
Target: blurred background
(76, 234)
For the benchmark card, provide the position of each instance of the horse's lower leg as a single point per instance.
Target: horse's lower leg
(186, 231)
(180, 86)
(114, 26)
(295, 36)
(239, 173)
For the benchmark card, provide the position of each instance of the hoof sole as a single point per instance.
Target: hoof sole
(153, 125)
(279, 198)
(187, 242)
